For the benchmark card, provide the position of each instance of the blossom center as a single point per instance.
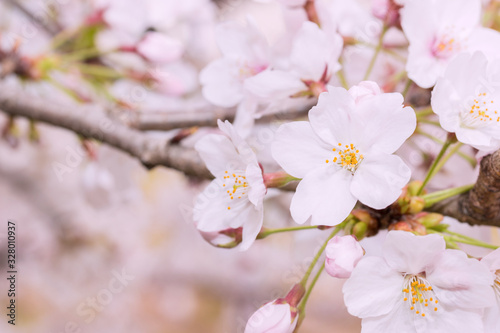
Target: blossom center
(236, 188)
(445, 46)
(347, 157)
(247, 70)
(482, 112)
(418, 292)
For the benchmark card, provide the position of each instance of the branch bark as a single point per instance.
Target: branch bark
(91, 121)
(481, 205)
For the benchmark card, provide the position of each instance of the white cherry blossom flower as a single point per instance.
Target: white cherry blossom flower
(342, 255)
(345, 153)
(438, 30)
(467, 100)
(418, 286)
(273, 317)
(234, 198)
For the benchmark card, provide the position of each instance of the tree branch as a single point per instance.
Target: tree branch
(91, 121)
(481, 205)
(51, 28)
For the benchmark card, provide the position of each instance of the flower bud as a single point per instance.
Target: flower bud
(409, 225)
(360, 230)
(413, 187)
(416, 205)
(276, 316)
(342, 255)
(429, 220)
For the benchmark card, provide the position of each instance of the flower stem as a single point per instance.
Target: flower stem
(377, 51)
(424, 112)
(447, 157)
(432, 169)
(432, 198)
(266, 232)
(455, 237)
(407, 87)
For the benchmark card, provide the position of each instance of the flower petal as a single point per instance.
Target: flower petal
(298, 149)
(274, 84)
(407, 253)
(324, 195)
(379, 180)
(459, 281)
(219, 154)
(374, 289)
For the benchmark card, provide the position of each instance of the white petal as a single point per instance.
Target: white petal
(219, 154)
(298, 149)
(400, 319)
(331, 118)
(160, 48)
(310, 52)
(459, 281)
(386, 124)
(324, 195)
(253, 224)
(379, 180)
(449, 320)
(274, 84)
(256, 183)
(407, 253)
(373, 289)
(492, 260)
(221, 84)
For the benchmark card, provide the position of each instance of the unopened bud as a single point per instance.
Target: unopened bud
(360, 230)
(414, 187)
(429, 220)
(342, 254)
(409, 225)
(416, 205)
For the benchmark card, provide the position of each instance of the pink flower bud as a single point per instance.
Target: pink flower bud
(363, 90)
(159, 48)
(342, 255)
(273, 317)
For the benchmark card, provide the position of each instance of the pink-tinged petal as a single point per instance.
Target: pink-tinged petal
(311, 52)
(242, 42)
(423, 68)
(254, 218)
(221, 83)
(244, 119)
(406, 253)
(416, 20)
(298, 150)
(400, 319)
(270, 318)
(219, 154)
(446, 103)
(364, 90)
(374, 289)
(449, 320)
(245, 152)
(492, 319)
(331, 118)
(274, 84)
(492, 260)
(379, 180)
(323, 194)
(342, 254)
(256, 183)
(210, 210)
(160, 48)
(386, 124)
(459, 281)
(484, 40)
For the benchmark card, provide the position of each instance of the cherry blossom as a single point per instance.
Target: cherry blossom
(438, 30)
(234, 198)
(418, 286)
(467, 100)
(345, 153)
(491, 316)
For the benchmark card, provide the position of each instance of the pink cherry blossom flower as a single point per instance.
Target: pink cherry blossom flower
(418, 286)
(345, 153)
(234, 198)
(342, 255)
(440, 29)
(467, 100)
(159, 48)
(273, 317)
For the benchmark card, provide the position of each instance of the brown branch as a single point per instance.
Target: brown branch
(52, 28)
(481, 205)
(91, 121)
(165, 121)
